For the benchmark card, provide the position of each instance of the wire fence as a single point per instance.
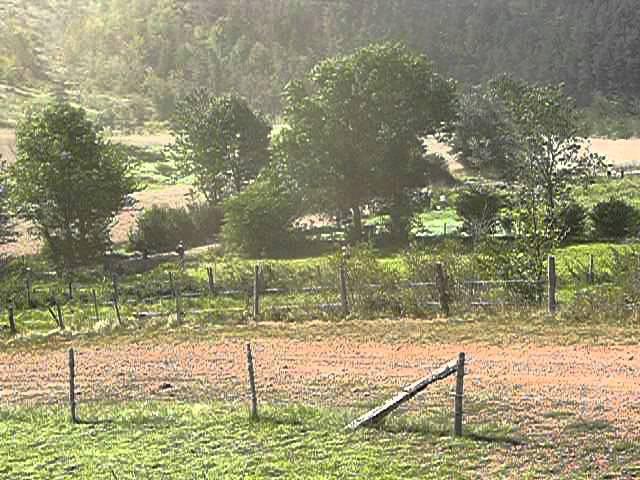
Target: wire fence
(333, 288)
(282, 375)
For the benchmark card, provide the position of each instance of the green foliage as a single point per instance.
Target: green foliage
(68, 181)
(258, 221)
(483, 135)
(354, 128)
(480, 211)
(219, 140)
(160, 229)
(573, 218)
(614, 219)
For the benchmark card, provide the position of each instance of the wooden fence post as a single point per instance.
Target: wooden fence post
(29, 288)
(553, 281)
(457, 427)
(252, 383)
(256, 293)
(212, 282)
(176, 296)
(591, 274)
(95, 304)
(12, 321)
(116, 298)
(344, 298)
(72, 385)
(443, 289)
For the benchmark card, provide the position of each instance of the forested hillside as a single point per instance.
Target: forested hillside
(151, 51)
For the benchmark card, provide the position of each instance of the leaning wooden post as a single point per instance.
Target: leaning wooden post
(443, 289)
(344, 298)
(95, 304)
(457, 426)
(553, 281)
(256, 292)
(12, 321)
(60, 317)
(252, 383)
(72, 385)
(591, 274)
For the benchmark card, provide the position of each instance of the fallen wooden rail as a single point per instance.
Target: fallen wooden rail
(406, 394)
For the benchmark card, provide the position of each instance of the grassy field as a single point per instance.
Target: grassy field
(509, 432)
(157, 441)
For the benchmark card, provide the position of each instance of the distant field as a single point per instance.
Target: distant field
(619, 152)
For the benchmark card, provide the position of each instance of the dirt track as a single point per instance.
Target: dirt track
(591, 382)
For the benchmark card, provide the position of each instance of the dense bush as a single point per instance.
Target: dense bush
(207, 220)
(573, 219)
(160, 229)
(258, 220)
(480, 211)
(614, 219)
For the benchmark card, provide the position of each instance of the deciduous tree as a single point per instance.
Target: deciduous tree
(68, 181)
(355, 126)
(220, 141)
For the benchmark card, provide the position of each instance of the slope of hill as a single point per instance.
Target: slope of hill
(128, 60)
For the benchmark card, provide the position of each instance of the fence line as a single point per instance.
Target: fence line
(256, 299)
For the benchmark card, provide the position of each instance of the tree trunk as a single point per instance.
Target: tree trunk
(356, 233)
(400, 215)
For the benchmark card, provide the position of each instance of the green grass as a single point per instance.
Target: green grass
(189, 441)
(605, 188)
(157, 440)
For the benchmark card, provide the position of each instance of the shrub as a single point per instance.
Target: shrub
(160, 229)
(207, 220)
(573, 217)
(258, 220)
(614, 219)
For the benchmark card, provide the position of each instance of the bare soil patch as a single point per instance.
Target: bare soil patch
(589, 382)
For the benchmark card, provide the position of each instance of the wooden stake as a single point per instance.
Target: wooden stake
(343, 289)
(29, 288)
(116, 300)
(256, 293)
(457, 427)
(176, 296)
(72, 385)
(591, 274)
(12, 321)
(212, 284)
(252, 383)
(95, 304)
(553, 280)
(70, 286)
(443, 289)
